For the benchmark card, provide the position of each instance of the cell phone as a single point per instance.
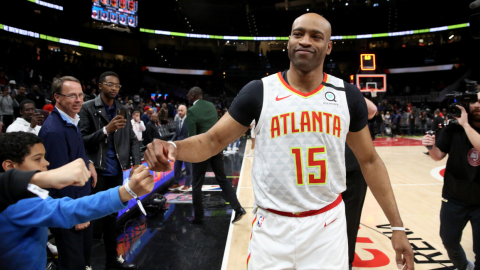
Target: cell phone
(38, 111)
(122, 112)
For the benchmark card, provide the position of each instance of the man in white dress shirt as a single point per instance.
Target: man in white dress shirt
(137, 125)
(29, 120)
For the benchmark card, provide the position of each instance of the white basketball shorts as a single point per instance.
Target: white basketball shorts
(313, 242)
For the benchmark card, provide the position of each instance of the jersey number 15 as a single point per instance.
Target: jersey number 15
(311, 178)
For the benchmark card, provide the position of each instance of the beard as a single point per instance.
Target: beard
(305, 64)
(474, 117)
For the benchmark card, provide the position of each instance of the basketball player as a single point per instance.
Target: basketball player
(303, 117)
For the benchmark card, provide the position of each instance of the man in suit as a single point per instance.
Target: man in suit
(181, 132)
(201, 117)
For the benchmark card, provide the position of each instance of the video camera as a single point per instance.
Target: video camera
(463, 99)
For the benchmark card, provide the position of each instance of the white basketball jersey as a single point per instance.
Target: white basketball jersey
(299, 162)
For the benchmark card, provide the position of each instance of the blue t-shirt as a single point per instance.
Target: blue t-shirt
(112, 165)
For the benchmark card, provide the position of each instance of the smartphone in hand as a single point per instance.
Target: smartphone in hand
(122, 112)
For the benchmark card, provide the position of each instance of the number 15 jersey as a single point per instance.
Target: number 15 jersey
(299, 162)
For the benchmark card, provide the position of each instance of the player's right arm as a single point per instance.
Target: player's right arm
(194, 149)
(246, 107)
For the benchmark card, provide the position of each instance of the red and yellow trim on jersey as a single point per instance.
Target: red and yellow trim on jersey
(251, 234)
(301, 94)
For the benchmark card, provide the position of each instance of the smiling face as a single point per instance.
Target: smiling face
(34, 161)
(309, 42)
(70, 106)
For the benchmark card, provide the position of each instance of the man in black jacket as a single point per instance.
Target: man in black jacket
(109, 142)
(151, 130)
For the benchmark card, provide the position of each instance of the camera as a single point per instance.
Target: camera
(463, 99)
(431, 133)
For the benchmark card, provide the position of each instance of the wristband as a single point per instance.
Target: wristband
(398, 228)
(40, 192)
(170, 142)
(130, 191)
(105, 131)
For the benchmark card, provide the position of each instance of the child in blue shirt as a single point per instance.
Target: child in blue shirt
(24, 224)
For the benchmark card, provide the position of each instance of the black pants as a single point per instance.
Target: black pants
(198, 175)
(74, 247)
(453, 219)
(7, 121)
(178, 172)
(354, 197)
(110, 221)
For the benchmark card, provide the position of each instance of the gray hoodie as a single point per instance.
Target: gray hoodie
(7, 104)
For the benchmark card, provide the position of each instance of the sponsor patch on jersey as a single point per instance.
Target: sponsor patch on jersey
(260, 221)
(330, 96)
(473, 157)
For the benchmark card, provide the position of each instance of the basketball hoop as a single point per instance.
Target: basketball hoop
(372, 86)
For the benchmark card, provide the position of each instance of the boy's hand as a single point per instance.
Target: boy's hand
(141, 183)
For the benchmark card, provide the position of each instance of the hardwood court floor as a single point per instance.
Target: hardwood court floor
(418, 195)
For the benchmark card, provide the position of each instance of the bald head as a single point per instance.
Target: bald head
(182, 111)
(309, 43)
(314, 20)
(194, 94)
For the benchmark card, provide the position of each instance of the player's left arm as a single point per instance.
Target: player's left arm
(378, 181)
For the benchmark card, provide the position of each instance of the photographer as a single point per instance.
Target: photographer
(461, 202)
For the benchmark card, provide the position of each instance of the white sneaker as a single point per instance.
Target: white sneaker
(52, 248)
(471, 265)
(88, 268)
(120, 259)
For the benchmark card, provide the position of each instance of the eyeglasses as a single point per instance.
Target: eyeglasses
(72, 96)
(109, 84)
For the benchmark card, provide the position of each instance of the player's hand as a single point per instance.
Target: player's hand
(74, 173)
(117, 123)
(403, 251)
(141, 181)
(428, 140)
(463, 119)
(157, 155)
(12, 95)
(82, 226)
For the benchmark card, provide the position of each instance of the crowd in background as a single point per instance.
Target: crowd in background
(406, 118)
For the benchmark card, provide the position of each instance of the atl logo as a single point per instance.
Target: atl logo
(473, 157)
